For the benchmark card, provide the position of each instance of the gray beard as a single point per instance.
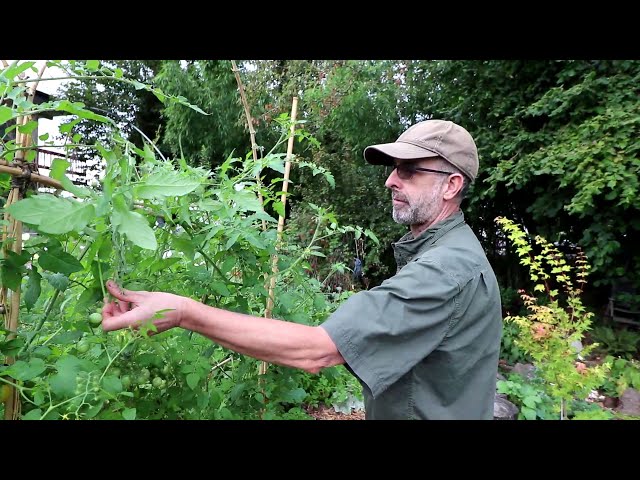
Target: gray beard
(407, 216)
(424, 212)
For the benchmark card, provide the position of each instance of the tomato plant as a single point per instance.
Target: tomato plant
(155, 223)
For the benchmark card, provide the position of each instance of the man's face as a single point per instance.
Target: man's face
(417, 200)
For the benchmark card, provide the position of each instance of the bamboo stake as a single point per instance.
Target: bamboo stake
(26, 140)
(283, 199)
(12, 311)
(12, 406)
(35, 177)
(252, 132)
(34, 87)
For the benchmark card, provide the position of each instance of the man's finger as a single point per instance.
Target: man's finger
(131, 318)
(119, 292)
(108, 309)
(124, 306)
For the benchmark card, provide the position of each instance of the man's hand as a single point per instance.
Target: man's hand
(135, 308)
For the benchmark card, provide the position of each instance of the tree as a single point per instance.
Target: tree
(134, 110)
(205, 140)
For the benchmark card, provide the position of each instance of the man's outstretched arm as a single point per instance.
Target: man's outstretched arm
(275, 341)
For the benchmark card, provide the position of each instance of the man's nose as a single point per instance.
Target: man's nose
(393, 181)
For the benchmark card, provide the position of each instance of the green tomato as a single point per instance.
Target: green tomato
(157, 382)
(95, 319)
(83, 347)
(145, 373)
(126, 381)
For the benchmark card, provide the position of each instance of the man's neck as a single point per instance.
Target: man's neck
(446, 212)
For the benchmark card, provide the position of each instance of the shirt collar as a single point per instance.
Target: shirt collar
(408, 247)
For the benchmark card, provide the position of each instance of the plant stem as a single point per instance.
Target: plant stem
(20, 388)
(132, 339)
(104, 292)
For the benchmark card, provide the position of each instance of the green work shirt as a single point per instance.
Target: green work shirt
(425, 343)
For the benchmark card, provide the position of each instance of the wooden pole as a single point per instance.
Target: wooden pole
(283, 199)
(252, 132)
(12, 406)
(43, 179)
(12, 235)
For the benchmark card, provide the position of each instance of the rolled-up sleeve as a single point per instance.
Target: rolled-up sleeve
(383, 332)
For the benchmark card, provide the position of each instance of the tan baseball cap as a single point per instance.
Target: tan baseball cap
(430, 138)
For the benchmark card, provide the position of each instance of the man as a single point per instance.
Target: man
(425, 343)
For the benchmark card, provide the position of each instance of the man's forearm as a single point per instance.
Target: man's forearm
(275, 341)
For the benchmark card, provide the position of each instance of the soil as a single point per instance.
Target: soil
(322, 412)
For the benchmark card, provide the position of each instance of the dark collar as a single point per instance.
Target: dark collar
(408, 247)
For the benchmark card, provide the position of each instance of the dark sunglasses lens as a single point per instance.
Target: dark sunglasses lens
(405, 172)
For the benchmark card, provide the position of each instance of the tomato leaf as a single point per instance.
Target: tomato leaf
(59, 262)
(71, 187)
(69, 216)
(11, 272)
(33, 289)
(58, 281)
(220, 288)
(52, 214)
(32, 414)
(24, 371)
(5, 114)
(246, 200)
(134, 226)
(58, 167)
(129, 414)
(31, 210)
(294, 396)
(112, 384)
(165, 184)
(192, 380)
(63, 384)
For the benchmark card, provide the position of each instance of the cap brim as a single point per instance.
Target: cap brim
(385, 153)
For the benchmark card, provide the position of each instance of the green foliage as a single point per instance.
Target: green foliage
(347, 105)
(534, 403)
(548, 332)
(203, 141)
(331, 386)
(530, 398)
(590, 411)
(624, 374)
(561, 131)
(133, 107)
(620, 342)
(510, 351)
(628, 300)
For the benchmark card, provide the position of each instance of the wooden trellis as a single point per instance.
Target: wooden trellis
(23, 174)
(271, 283)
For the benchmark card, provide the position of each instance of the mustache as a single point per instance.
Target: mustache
(399, 196)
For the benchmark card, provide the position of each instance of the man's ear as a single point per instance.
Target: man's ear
(454, 185)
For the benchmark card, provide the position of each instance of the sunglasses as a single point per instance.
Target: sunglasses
(407, 170)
